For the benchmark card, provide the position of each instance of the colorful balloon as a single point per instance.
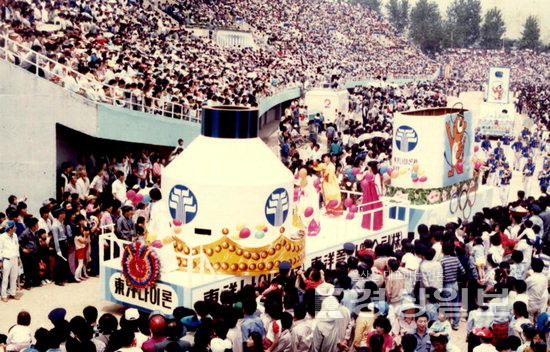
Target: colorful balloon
(308, 212)
(415, 167)
(348, 202)
(240, 226)
(332, 204)
(394, 174)
(476, 148)
(415, 179)
(402, 172)
(350, 216)
(259, 234)
(138, 198)
(383, 169)
(389, 171)
(260, 226)
(353, 209)
(177, 222)
(131, 194)
(477, 165)
(244, 233)
(460, 167)
(414, 175)
(423, 179)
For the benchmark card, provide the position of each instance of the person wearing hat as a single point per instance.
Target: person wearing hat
(191, 323)
(486, 336)
(505, 176)
(9, 261)
(528, 172)
(491, 166)
(57, 315)
(157, 324)
(174, 332)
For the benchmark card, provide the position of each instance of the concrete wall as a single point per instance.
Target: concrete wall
(29, 110)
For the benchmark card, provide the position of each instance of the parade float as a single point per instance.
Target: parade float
(434, 170)
(229, 212)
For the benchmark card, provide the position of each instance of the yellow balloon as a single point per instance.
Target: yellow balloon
(177, 229)
(260, 227)
(394, 174)
(402, 172)
(415, 168)
(421, 173)
(240, 226)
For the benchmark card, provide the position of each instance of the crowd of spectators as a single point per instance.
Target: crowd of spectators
(472, 65)
(491, 272)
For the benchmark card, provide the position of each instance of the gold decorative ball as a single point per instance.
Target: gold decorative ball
(225, 266)
(263, 254)
(231, 248)
(194, 252)
(234, 267)
(271, 251)
(282, 229)
(261, 266)
(269, 266)
(209, 252)
(247, 255)
(216, 266)
(225, 245)
(278, 246)
(255, 256)
(251, 266)
(186, 250)
(243, 266)
(225, 230)
(218, 249)
(239, 252)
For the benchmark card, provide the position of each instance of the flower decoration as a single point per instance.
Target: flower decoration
(140, 265)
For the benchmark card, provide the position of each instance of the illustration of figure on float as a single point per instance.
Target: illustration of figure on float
(160, 231)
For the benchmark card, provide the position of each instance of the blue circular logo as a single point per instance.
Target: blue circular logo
(183, 204)
(277, 206)
(405, 138)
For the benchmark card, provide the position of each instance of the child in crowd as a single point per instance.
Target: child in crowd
(20, 335)
(441, 326)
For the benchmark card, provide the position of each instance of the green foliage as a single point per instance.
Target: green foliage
(398, 13)
(530, 36)
(462, 26)
(426, 29)
(493, 29)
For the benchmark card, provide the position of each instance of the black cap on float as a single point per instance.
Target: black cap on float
(229, 122)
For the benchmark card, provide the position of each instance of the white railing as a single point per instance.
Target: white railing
(91, 89)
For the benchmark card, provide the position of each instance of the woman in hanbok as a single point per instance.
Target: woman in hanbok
(330, 187)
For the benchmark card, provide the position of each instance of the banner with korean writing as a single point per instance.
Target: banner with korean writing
(163, 296)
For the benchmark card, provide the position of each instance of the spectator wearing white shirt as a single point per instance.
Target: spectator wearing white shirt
(9, 256)
(119, 187)
(83, 185)
(431, 272)
(537, 289)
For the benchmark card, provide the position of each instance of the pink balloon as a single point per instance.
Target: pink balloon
(355, 171)
(369, 177)
(460, 167)
(138, 198)
(297, 194)
(264, 229)
(390, 170)
(348, 202)
(308, 212)
(332, 204)
(422, 179)
(177, 222)
(350, 216)
(353, 209)
(244, 233)
(317, 182)
(156, 244)
(415, 179)
(131, 194)
(477, 165)
(476, 148)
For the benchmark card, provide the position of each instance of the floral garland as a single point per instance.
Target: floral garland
(421, 196)
(140, 265)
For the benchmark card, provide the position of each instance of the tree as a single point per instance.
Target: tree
(493, 29)
(426, 29)
(462, 24)
(372, 4)
(398, 13)
(530, 36)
